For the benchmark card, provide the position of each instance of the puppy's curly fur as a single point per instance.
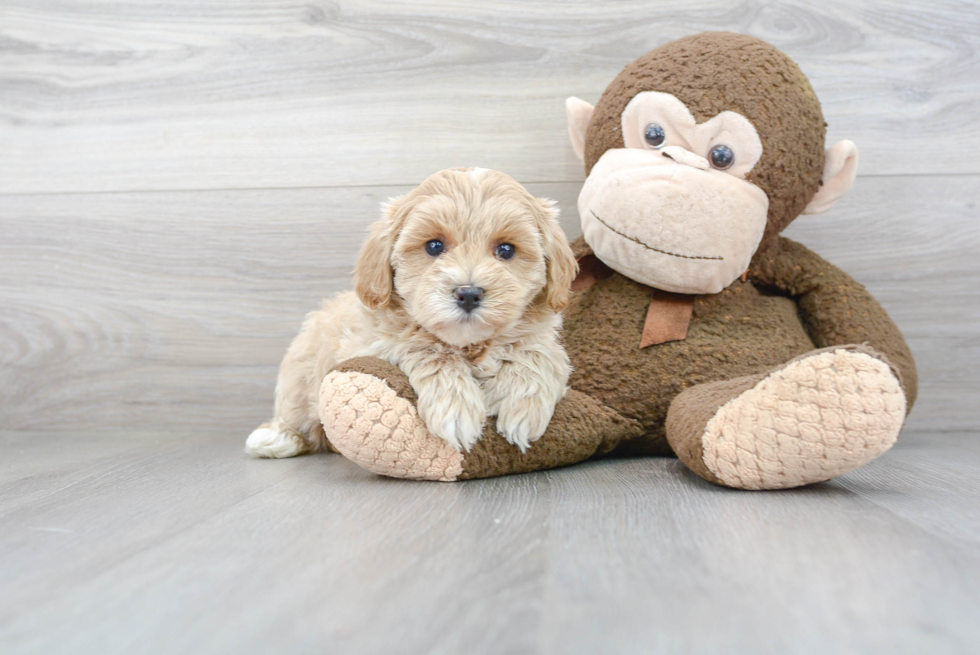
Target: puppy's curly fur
(503, 358)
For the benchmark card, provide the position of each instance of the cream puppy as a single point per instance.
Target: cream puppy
(459, 285)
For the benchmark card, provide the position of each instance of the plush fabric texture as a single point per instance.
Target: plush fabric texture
(668, 317)
(709, 72)
(578, 113)
(692, 410)
(686, 140)
(749, 328)
(813, 420)
(836, 309)
(839, 173)
(819, 416)
(367, 408)
(701, 234)
(391, 374)
(737, 332)
(369, 423)
(580, 429)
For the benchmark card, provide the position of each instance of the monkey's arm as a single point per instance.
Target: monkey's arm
(368, 410)
(836, 309)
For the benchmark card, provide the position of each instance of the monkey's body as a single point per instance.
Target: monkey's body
(697, 156)
(740, 331)
(750, 329)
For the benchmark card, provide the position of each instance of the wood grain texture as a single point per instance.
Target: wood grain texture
(185, 545)
(126, 310)
(212, 95)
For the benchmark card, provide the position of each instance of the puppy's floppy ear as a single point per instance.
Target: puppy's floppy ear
(374, 279)
(562, 267)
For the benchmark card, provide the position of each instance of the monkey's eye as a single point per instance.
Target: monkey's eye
(505, 251)
(655, 135)
(721, 157)
(434, 248)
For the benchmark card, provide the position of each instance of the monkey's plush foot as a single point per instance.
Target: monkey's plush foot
(368, 412)
(817, 417)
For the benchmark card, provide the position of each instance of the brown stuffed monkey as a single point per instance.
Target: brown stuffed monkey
(694, 329)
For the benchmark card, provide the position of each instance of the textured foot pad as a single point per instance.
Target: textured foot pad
(371, 425)
(815, 419)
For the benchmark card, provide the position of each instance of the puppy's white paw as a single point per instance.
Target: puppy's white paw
(275, 444)
(522, 421)
(462, 432)
(458, 423)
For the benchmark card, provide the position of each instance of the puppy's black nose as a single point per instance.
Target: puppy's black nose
(468, 297)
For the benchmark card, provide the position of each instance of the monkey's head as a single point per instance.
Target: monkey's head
(697, 156)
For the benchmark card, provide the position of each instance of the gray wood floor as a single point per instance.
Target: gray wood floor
(181, 181)
(177, 543)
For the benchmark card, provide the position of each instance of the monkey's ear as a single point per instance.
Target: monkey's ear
(839, 171)
(373, 276)
(579, 113)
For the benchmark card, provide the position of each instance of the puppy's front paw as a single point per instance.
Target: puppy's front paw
(456, 419)
(522, 421)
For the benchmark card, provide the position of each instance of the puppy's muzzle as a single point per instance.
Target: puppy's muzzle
(468, 298)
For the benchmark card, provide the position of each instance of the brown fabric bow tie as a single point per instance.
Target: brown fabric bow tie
(668, 316)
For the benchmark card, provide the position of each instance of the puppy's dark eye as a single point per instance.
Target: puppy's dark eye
(721, 157)
(505, 251)
(434, 248)
(654, 135)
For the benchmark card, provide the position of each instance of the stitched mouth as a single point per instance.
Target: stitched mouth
(648, 247)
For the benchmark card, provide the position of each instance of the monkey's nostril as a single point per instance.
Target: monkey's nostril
(468, 297)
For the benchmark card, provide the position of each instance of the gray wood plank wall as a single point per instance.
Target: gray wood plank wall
(180, 182)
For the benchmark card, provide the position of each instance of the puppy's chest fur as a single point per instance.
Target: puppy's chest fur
(403, 335)
(484, 360)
